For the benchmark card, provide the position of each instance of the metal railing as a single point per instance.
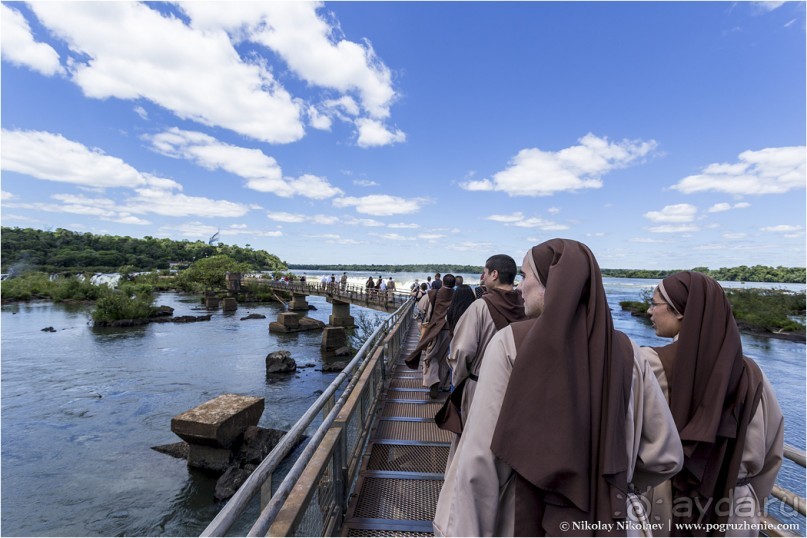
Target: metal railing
(787, 497)
(311, 499)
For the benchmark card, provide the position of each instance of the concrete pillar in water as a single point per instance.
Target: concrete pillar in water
(333, 339)
(229, 304)
(211, 429)
(298, 302)
(211, 303)
(340, 316)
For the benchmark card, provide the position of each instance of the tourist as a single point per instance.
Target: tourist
(566, 421)
(724, 407)
(343, 282)
(496, 310)
(437, 282)
(434, 341)
(391, 285)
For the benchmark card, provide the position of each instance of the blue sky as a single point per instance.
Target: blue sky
(663, 135)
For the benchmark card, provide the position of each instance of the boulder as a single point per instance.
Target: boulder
(229, 482)
(336, 366)
(280, 362)
(253, 316)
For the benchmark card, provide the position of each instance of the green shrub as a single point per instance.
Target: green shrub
(118, 305)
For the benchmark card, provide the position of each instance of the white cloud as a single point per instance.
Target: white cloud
(724, 206)
(4, 195)
(673, 213)
(367, 223)
(19, 47)
(261, 172)
(308, 44)
(140, 111)
(765, 7)
(52, 157)
(199, 230)
(381, 204)
(374, 133)
(393, 237)
(318, 120)
(518, 219)
(364, 183)
(553, 210)
(129, 51)
(534, 172)
(781, 228)
(162, 202)
(767, 171)
(515, 217)
(673, 228)
(466, 246)
(403, 225)
(286, 217)
(733, 235)
(646, 240)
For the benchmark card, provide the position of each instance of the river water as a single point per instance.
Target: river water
(81, 407)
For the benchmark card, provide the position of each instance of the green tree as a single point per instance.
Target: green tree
(209, 273)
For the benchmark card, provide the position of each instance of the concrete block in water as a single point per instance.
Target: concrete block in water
(333, 338)
(218, 422)
(229, 304)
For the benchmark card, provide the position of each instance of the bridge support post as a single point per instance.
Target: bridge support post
(298, 302)
(340, 316)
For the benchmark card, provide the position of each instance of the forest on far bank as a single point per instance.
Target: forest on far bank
(65, 251)
(743, 273)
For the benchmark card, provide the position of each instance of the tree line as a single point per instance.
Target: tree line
(28, 249)
(67, 251)
(743, 273)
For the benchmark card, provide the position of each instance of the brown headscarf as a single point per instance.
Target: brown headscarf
(562, 422)
(437, 321)
(714, 391)
(505, 307)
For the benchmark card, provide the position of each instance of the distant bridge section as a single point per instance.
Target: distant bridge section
(340, 296)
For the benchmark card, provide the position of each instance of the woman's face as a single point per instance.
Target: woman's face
(665, 321)
(532, 291)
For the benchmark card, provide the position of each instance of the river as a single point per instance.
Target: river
(81, 407)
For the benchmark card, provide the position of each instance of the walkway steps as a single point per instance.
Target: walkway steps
(402, 473)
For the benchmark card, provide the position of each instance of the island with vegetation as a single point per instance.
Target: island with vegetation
(58, 265)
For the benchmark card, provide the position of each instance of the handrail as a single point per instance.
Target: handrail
(252, 485)
(349, 291)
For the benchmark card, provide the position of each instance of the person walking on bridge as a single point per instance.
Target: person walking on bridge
(497, 309)
(434, 341)
(566, 421)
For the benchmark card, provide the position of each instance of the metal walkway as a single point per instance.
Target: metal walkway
(402, 472)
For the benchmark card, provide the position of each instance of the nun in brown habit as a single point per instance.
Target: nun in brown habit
(567, 421)
(434, 342)
(729, 421)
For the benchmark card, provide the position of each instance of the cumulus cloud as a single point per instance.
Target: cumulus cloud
(318, 120)
(53, 157)
(724, 206)
(374, 133)
(19, 47)
(673, 228)
(261, 172)
(534, 172)
(518, 219)
(129, 51)
(310, 45)
(781, 228)
(673, 213)
(766, 171)
(403, 225)
(199, 230)
(381, 204)
(295, 218)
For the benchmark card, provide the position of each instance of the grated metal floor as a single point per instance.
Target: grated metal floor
(402, 473)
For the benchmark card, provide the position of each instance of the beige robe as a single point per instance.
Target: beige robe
(477, 498)
(471, 336)
(762, 457)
